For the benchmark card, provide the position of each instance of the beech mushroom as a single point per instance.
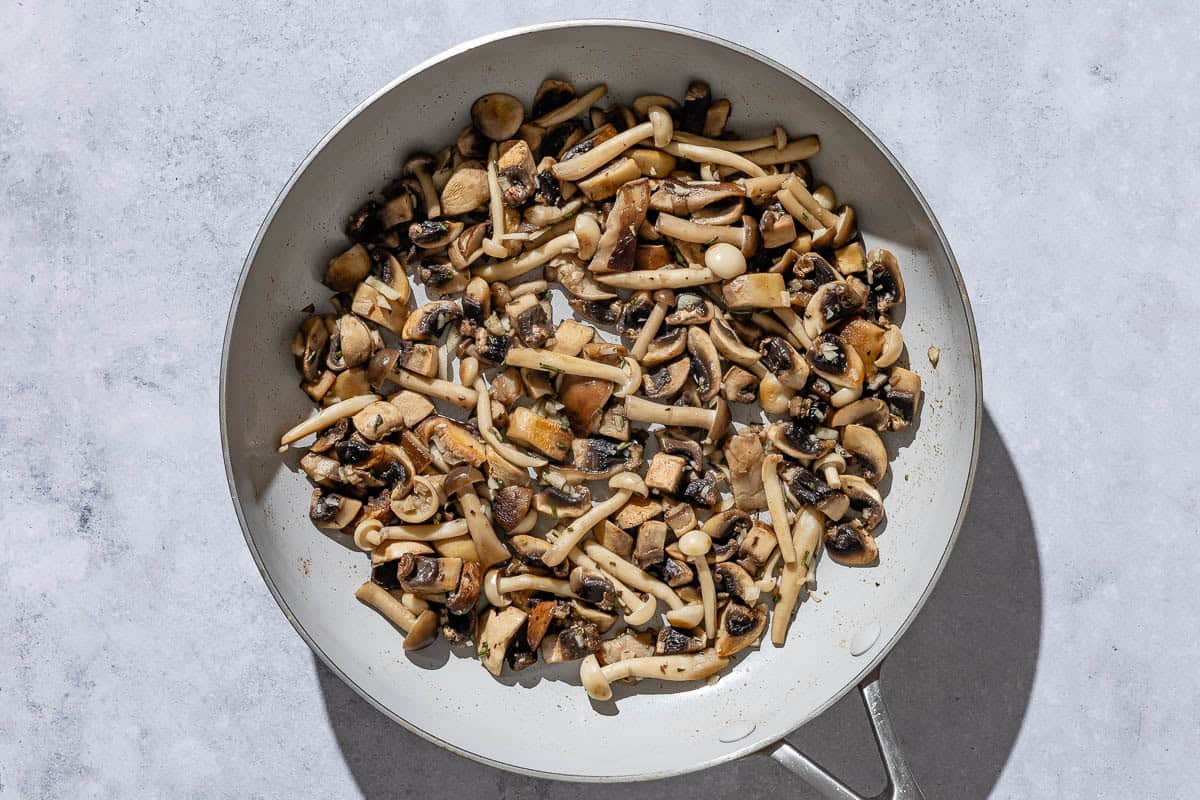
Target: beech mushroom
(421, 629)
(417, 166)
(420, 502)
(624, 486)
(806, 537)
(626, 378)
(460, 482)
(497, 116)
(497, 587)
(659, 127)
(638, 610)
(695, 545)
(702, 154)
(714, 420)
(571, 108)
(597, 680)
(326, 417)
(369, 539)
(776, 506)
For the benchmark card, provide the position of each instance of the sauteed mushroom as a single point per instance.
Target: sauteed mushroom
(711, 269)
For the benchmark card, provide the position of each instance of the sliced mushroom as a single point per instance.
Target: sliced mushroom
(758, 290)
(705, 364)
(516, 174)
(577, 640)
(835, 361)
(783, 361)
(733, 580)
(743, 456)
(594, 587)
(332, 510)
(665, 383)
(871, 412)
(756, 547)
(739, 627)
(666, 347)
(832, 303)
(870, 456)
(884, 280)
(729, 345)
(567, 502)
(674, 641)
(738, 385)
(430, 320)
(903, 393)
(544, 435)
(807, 489)
(665, 472)
(681, 197)
(498, 627)
(865, 501)
(849, 543)
(690, 309)
(577, 279)
(428, 574)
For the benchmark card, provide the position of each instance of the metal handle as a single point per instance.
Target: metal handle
(901, 785)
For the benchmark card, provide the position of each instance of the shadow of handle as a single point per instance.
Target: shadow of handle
(901, 785)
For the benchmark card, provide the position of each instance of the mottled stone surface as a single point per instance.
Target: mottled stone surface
(140, 145)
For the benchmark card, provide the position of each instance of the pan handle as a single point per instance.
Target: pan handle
(901, 785)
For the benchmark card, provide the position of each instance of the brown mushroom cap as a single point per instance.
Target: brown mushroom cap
(705, 364)
(466, 595)
(666, 347)
(497, 115)
(510, 504)
(849, 543)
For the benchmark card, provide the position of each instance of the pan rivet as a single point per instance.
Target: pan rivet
(736, 731)
(864, 639)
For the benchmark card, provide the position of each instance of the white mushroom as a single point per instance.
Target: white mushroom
(368, 539)
(715, 155)
(624, 485)
(497, 586)
(421, 629)
(776, 506)
(663, 300)
(638, 609)
(806, 538)
(627, 378)
(693, 667)
(326, 417)
(695, 545)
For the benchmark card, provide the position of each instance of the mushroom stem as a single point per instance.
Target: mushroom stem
(434, 532)
(529, 260)
(497, 586)
(597, 680)
(795, 326)
(662, 302)
(417, 627)
(326, 417)
(641, 410)
(797, 188)
(688, 231)
(572, 109)
(766, 581)
(759, 190)
(695, 545)
(483, 414)
(798, 150)
(805, 537)
(583, 165)
(794, 207)
(632, 575)
(580, 526)
(776, 507)
(461, 396)
(659, 278)
(487, 544)
(627, 380)
(738, 145)
(715, 155)
(638, 609)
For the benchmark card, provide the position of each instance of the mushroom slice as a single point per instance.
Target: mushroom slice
(682, 197)
(451, 441)
(618, 244)
(332, 510)
(466, 190)
(903, 393)
(832, 303)
(806, 489)
(577, 280)
(729, 345)
(430, 320)
(552, 94)
(567, 502)
(350, 345)
(813, 271)
(497, 116)
(544, 435)
(345, 271)
(433, 234)
(679, 445)
(541, 614)
(690, 309)
(776, 227)
(849, 543)
(784, 362)
(836, 361)
(600, 459)
(674, 641)
(756, 547)
(628, 644)
(593, 586)
(705, 364)
(666, 382)
(510, 504)
(636, 511)
(611, 179)
(867, 338)
(870, 456)
(865, 501)
(314, 336)
(734, 580)
(701, 490)
(516, 170)
(755, 291)
(530, 320)
(498, 628)
(738, 385)
(579, 639)
(885, 284)
(871, 412)
(428, 574)
(666, 347)
(464, 597)
(798, 440)
(615, 425)
(743, 456)
(739, 628)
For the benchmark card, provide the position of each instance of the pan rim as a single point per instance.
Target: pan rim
(751, 744)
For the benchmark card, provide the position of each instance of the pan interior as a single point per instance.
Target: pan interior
(541, 721)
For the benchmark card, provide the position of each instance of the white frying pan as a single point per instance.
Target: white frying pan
(540, 722)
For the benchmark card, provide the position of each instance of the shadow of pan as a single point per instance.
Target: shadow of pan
(957, 684)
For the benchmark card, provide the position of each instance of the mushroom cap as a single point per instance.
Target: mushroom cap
(665, 382)
(729, 345)
(666, 347)
(417, 161)
(695, 544)
(868, 451)
(869, 411)
(470, 582)
(510, 505)
(864, 499)
(497, 115)
(629, 482)
(725, 260)
(423, 632)
(736, 581)
(491, 589)
(591, 675)
(725, 524)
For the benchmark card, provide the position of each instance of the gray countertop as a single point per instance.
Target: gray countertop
(140, 146)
